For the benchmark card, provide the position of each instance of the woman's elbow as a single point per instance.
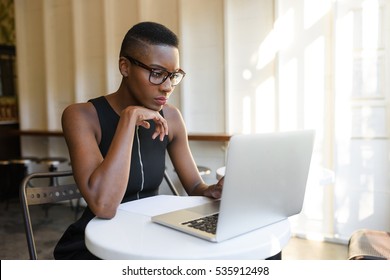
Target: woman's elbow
(104, 212)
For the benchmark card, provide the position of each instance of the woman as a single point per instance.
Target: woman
(117, 142)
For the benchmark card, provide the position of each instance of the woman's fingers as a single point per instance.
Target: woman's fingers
(145, 115)
(214, 191)
(161, 129)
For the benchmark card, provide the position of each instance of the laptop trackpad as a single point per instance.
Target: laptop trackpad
(206, 209)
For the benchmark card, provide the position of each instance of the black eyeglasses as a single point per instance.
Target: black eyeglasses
(159, 76)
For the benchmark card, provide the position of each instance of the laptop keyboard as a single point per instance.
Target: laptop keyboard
(207, 224)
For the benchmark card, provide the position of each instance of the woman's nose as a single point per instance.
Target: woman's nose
(167, 85)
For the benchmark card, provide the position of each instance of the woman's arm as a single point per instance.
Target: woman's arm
(103, 182)
(182, 160)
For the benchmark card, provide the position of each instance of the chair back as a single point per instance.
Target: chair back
(38, 195)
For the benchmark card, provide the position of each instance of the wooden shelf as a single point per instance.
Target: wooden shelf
(191, 136)
(209, 137)
(8, 122)
(39, 133)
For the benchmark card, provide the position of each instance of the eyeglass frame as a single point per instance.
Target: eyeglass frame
(152, 70)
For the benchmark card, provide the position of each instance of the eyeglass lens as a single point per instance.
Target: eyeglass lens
(158, 77)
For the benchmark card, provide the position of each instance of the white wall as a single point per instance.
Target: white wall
(250, 81)
(303, 42)
(202, 35)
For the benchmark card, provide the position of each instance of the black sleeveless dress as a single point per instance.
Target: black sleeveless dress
(146, 175)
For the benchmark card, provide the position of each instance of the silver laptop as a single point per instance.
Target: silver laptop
(265, 182)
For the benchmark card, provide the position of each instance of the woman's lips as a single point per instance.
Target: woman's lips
(161, 100)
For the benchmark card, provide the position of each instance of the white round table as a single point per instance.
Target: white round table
(132, 235)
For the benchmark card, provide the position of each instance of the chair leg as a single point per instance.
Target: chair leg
(77, 209)
(170, 184)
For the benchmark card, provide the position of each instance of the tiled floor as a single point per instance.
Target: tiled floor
(49, 229)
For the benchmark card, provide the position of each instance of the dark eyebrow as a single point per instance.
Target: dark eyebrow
(159, 67)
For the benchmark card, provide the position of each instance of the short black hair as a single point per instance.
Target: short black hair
(150, 33)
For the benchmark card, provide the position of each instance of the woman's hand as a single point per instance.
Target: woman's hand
(215, 191)
(143, 115)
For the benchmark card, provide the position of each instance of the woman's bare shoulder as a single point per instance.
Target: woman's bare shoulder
(81, 117)
(79, 109)
(176, 125)
(171, 112)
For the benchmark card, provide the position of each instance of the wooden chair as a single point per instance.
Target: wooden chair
(42, 195)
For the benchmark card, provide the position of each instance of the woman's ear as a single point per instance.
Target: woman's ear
(123, 67)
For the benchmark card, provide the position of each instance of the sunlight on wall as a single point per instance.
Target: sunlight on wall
(370, 23)
(266, 119)
(288, 112)
(265, 106)
(267, 50)
(259, 109)
(366, 205)
(343, 80)
(366, 200)
(370, 40)
(247, 74)
(369, 121)
(246, 111)
(332, 73)
(314, 86)
(281, 37)
(284, 28)
(314, 11)
(362, 116)
(343, 85)
(342, 214)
